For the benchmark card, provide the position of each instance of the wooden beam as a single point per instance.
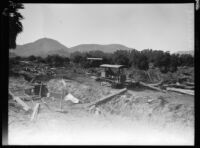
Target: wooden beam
(18, 100)
(106, 98)
(189, 83)
(151, 87)
(179, 86)
(156, 84)
(184, 91)
(25, 106)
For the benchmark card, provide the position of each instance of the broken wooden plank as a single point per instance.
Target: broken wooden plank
(35, 111)
(156, 84)
(25, 106)
(184, 91)
(179, 86)
(189, 83)
(106, 98)
(152, 87)
(18, 100)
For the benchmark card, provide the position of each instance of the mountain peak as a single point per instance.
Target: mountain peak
(42, 47)
(47, 46)
(45, 39)
(105, 48)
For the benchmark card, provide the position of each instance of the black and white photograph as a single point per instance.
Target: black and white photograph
(101, 74)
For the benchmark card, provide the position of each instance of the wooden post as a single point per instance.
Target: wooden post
(62, 96)
(40, 90)
(149, 76)
(35, 111)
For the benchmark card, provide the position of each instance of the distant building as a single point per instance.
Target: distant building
(97, 59)
(95, 62)
(26, 62)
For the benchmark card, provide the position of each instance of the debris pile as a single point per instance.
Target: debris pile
(35, 81)
(30, 70)
(181, 81)
(150, 76)
(18, 86)
(157, 110)
(83, 92)
(56, 85)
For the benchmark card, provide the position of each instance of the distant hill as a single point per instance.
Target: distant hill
(105, 48)
(42, 47)
(191, 52)
(45, 46)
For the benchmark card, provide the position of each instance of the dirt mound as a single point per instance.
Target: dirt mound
(56, 85)
(86, 93)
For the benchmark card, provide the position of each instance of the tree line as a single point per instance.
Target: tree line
(137, 59)
(131, 58)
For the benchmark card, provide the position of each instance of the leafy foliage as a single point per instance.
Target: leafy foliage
(138, 59)
(121, 57)
(142, 60)
(14, 18)
(56, 60)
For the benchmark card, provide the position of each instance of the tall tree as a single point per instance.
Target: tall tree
(14, 20)
(121, 57)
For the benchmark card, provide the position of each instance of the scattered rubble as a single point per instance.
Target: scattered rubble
(30, 96)
(147, 108)
(84, 93)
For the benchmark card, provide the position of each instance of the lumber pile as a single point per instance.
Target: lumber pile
(186, 88)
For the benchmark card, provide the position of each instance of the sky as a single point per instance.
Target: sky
(167, 27)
